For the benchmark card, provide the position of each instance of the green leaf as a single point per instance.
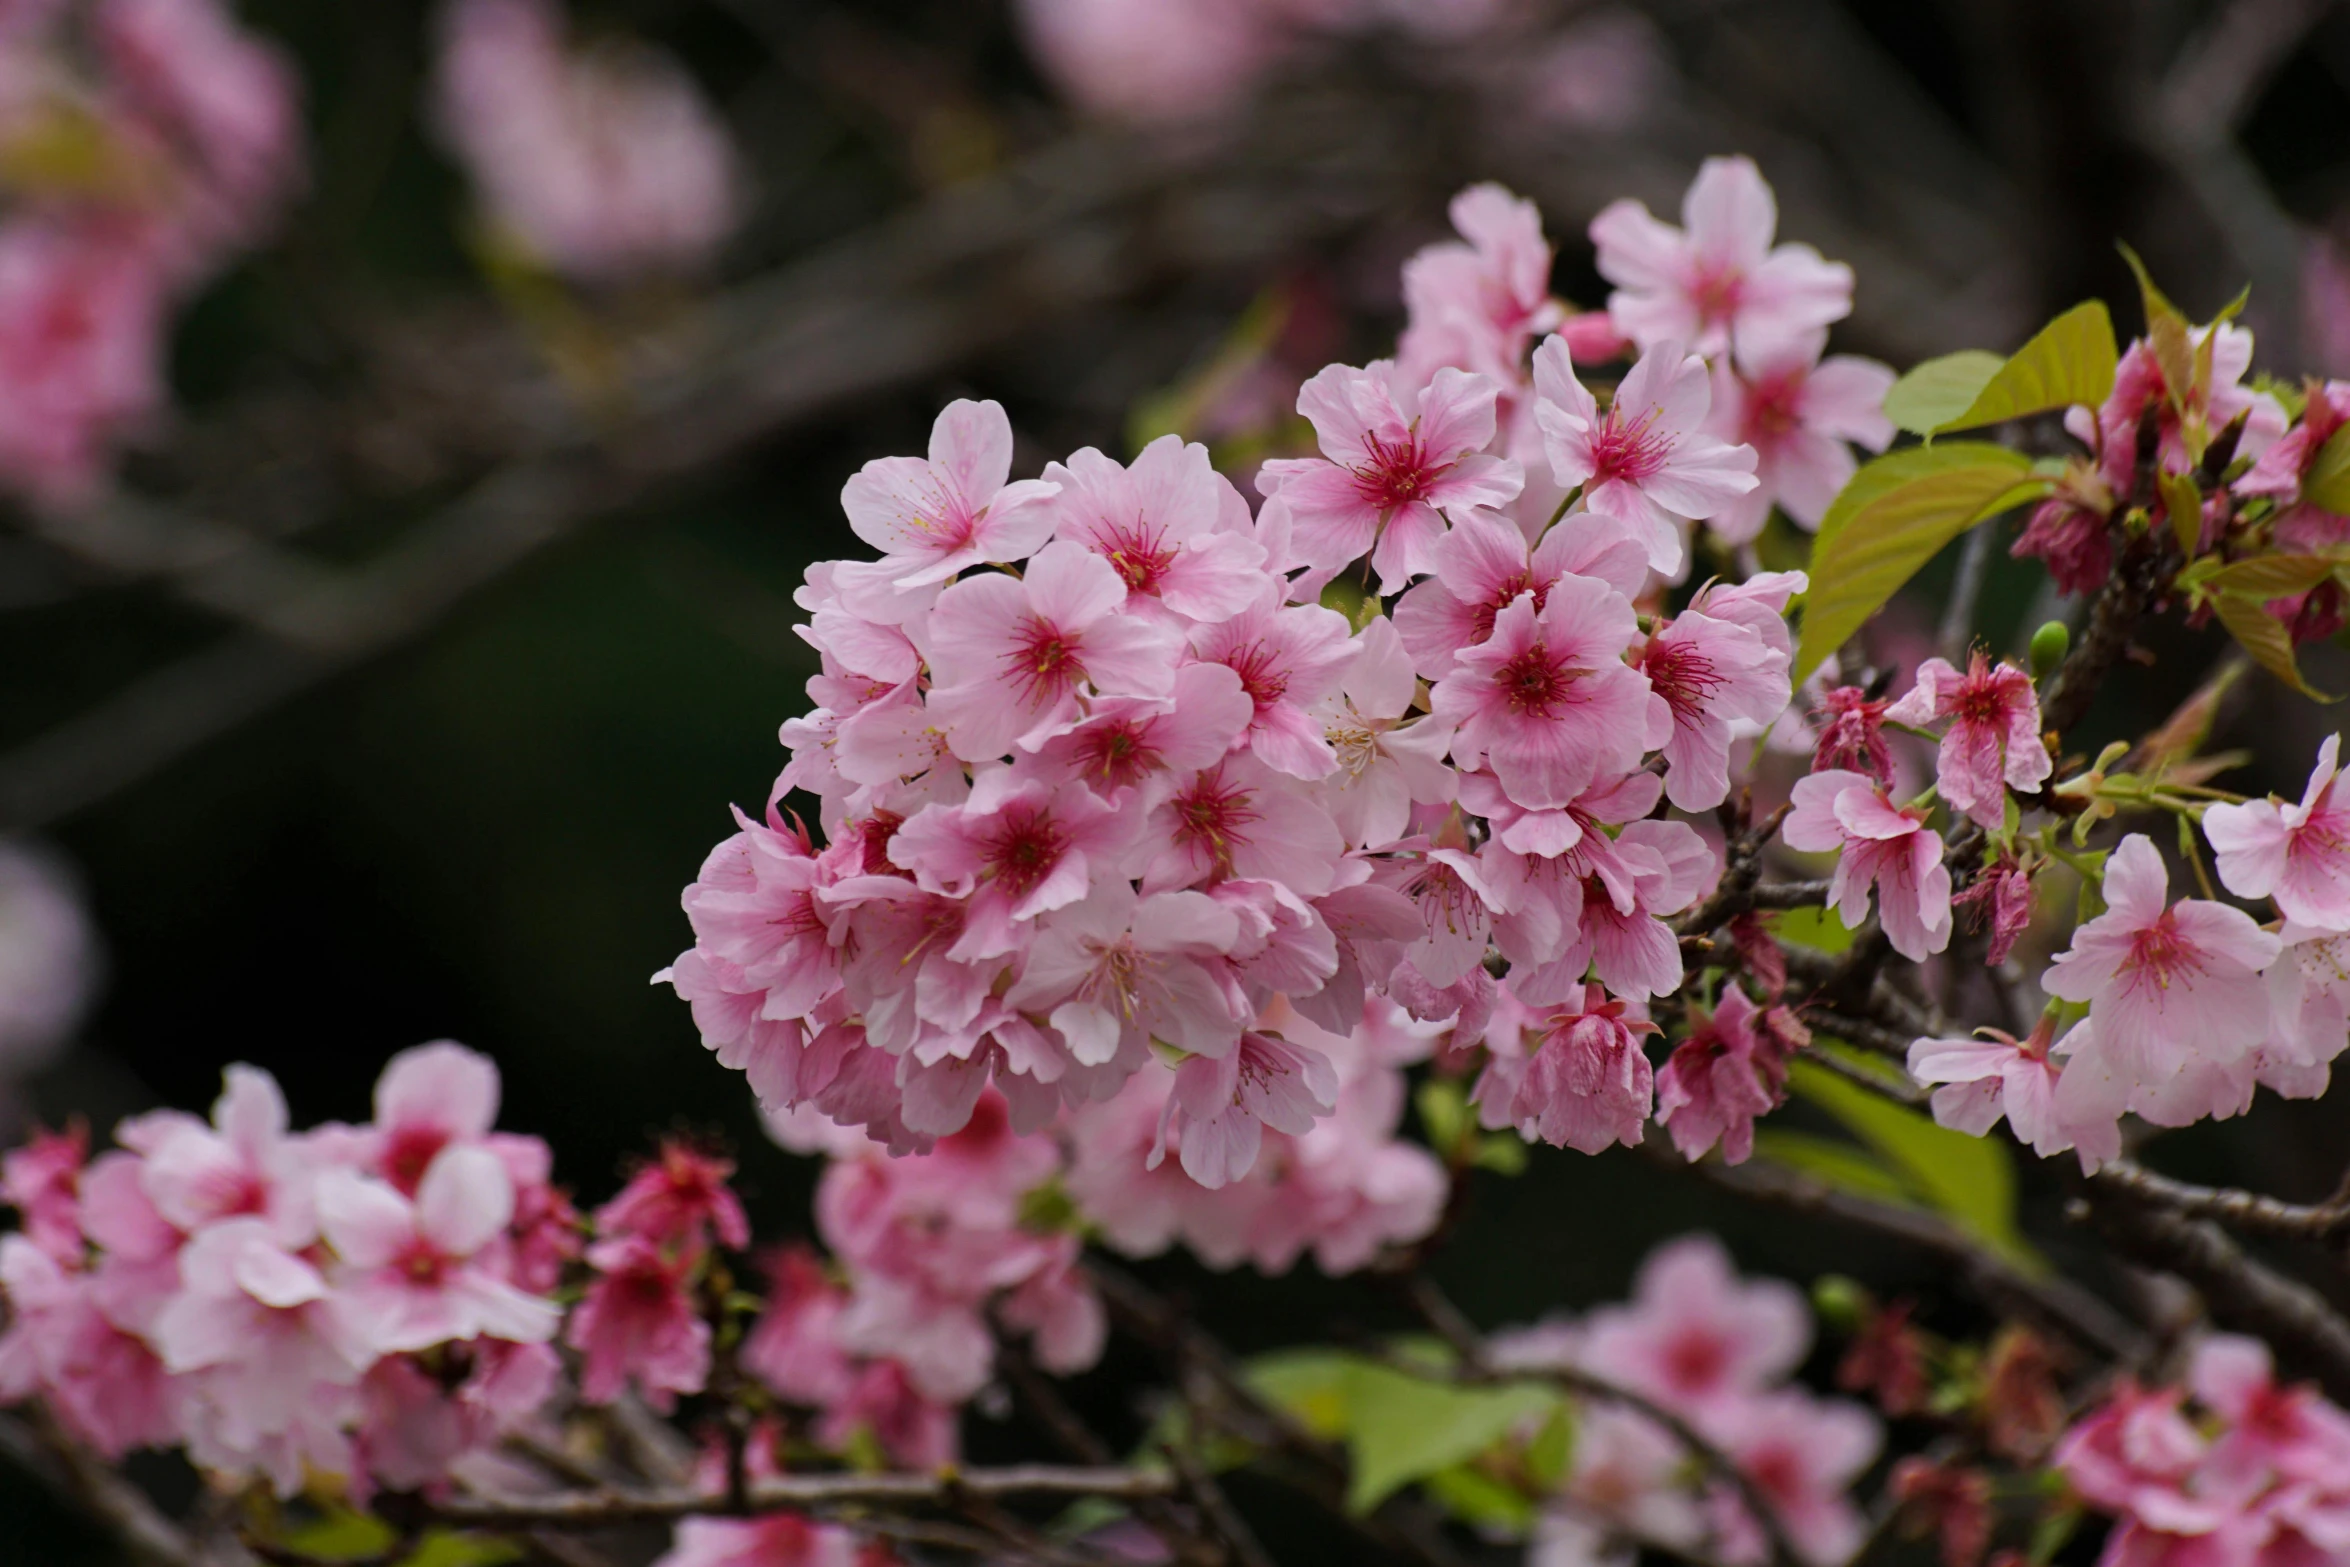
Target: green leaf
(2327, 483)
(1444, 1112)
(442, 1549)
(2184, 503)
(1892, 518)
(2264, 636)
(1309, 1384)
(342, 1536)
(2070, 360)
(1815, 928)
(1480, 1501)
(1970, 1180)
(1504, 1153)
(1552, 1449)
(1934, 393)
(2266, 577)
(1839, 1163)
(1403, 1428)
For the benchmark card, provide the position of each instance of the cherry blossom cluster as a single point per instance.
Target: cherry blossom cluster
(601, 162)
(370, 1301)
(2255, 1472)
(149, 141)
(1717, 1352)
(1123, 816)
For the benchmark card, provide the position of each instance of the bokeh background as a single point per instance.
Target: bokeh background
(566, 520)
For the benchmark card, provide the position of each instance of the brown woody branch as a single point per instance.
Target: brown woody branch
(2250, 1212)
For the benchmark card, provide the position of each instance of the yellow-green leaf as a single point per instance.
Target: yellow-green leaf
(1892, 518)
(1939, 390)
(2264, 636)
(1839, 1163)
(2266, 577)
(2327, 483)
(1402, 1428)
(2070, 360)
(1969, 1180)
(2184, 503)
(1310, 1384)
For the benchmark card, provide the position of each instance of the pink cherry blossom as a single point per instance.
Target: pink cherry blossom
(680, 1200)
(1999, 1075)
(1147, 744)
(1221, 1106)
(1116, 970)
(1852, 735)
(1879, 845)
(1015, 654)
(1288, 658)
(41, 1181)
(1802, 415)
(931, 518)
(1588, 1085)
(421, 1272)
(1649, 458)
(2002, 897)
(1731, 1069)
(2166, 982)
(104, 1384)
(1716, 675)
(1547, 701)
(781, 1539)
(1696, 1337)
(243, 1163)
(1716, 282)
(1993, 743)
(638, 1323)
(1476, 303)
(81, 319)
(1158, 522)
(1484, 563)
(1392, 462)
(1014, 851)
(428, 1098)
(1803, 1455)
(1658, 868)
(795, 1348)
(1240, 818)
(1385, 765)
(2297, 854)
(604, 163)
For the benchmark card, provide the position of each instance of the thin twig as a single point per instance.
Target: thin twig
(604, 1508)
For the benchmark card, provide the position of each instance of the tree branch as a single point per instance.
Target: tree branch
(2247, 1211)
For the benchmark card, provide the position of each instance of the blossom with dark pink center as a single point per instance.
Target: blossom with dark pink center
(1221, 1105)
(1716, 676)
(1649, 458)
(1484, 563)
(1802, 415)
(931, 518)
(1993, 743)
(2071, 532)
(1998, 1075)
(1148, 743)
(41, 1181)
(1011, 657)
(1288, 658)
(1240, 818)
(1731, 1069)
(1717, 282)
(1877, 844)
(1158, 522)
(679, 1200)
(1392, 463)
(2297, 854)
(1476, 305)
(1695, 1336)
(1116, 971)
(1547, 701)
(2166, 982)
(1014, 850)
(244, 1163)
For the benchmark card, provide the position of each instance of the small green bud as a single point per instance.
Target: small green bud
(2049, 645)
(1841, 1302)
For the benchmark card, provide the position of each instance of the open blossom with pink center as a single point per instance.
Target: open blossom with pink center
(1802, 415)
(1695, 1336)
(243, 1163)
(638, 1323)
(2165, 982)
(1117, 970)
(428, 1098)
(771, 1540)
(1877, 845)
(1993, 743)
(1587, 1086)
(1014, 851)
(1393, 461)
(1803, 1455)
(1996, 1075)
(1484, 563)
(1547, 701)
(1649, 458)
(1013, 655)
(1717, 282)
(1241, 819)
(2297, 854)
(1731, 1069)
(1160, 522)
(960, 507)
(1221, 1106)
(1717, 676)
(1477, 302)
(423, 1272)
(103, 1384)
(1447, 883)
(604, 163)
(1148, 744)
(680, 1200)
(1288, 658)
